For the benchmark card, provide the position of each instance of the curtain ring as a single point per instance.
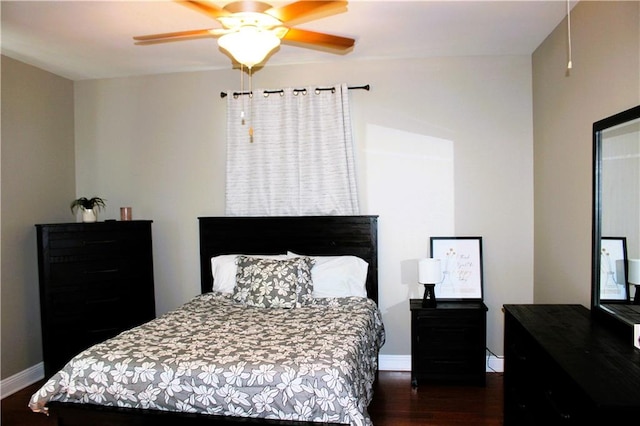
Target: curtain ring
(265, 94)
(281, 93)
(235, 95)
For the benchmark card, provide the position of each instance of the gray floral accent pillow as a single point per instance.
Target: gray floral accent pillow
(273, 283)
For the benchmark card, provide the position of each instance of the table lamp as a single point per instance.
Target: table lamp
(429, 274)
(634, 278)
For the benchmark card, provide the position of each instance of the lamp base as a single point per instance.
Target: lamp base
(429, 298)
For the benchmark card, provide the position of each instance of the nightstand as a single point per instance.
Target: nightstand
(448, 342)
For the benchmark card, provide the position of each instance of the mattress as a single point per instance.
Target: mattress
(212, 355)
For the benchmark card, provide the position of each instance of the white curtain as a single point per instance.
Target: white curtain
(290, 153)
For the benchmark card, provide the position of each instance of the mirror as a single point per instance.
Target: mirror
(616, 219)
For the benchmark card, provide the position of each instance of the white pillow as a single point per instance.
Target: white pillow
(338, 276)
(224, 268)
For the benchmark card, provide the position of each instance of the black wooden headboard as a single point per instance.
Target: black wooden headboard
(310, 235)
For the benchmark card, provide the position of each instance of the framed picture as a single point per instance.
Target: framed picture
(613, 270)
(461, 265)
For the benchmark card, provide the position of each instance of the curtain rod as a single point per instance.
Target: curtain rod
(318, 89)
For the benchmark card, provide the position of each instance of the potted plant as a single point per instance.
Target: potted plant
(89, 207)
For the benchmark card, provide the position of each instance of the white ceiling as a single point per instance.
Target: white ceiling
(93, 39)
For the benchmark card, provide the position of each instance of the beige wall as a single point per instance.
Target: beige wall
(605, 79)
(38, 174)
(157, 143)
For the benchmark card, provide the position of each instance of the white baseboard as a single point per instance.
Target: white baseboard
(495, 364)
(394, 362)
(21, 380)
(403, 363)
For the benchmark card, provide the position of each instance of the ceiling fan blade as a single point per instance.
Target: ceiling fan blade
(295, 35)
(206, 7)
(300, 10)
(175, 36)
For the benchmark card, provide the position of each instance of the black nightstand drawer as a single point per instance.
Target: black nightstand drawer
(447, 366)
(434, 335)
(448, 342)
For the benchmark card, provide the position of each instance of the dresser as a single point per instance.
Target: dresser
(561, 367)
(448, 342)
(96, 280)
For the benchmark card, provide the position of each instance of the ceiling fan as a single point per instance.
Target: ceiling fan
(252, 29)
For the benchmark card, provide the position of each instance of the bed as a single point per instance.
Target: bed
(234, 354)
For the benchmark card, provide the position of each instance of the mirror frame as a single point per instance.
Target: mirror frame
(619, 318)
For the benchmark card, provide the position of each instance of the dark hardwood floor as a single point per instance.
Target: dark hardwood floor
(395, 403)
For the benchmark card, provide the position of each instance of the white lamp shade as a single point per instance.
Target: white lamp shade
(429, 271)
(249, 45)
(634, 271)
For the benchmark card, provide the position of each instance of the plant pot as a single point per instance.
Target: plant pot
(89, 215)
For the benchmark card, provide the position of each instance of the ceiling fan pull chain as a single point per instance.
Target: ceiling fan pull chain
(241, 93)
(250, 105)
(569, 63)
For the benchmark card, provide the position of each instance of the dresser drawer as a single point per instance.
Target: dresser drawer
(66, 341)
(95, 243)
(88, 273)
(91, 297)
(562, 368)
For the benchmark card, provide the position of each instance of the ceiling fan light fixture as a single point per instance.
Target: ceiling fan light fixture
(249, 45)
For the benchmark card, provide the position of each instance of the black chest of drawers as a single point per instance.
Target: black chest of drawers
(448, 342)
(96, 280)
(563, 368)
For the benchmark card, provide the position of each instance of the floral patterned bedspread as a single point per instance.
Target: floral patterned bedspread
(312, 363)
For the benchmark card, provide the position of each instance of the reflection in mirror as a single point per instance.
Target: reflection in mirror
(613, 276)
(616, 216)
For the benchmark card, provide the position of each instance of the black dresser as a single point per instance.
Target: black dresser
(96, 280)
(562, 368)
(448, 342)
